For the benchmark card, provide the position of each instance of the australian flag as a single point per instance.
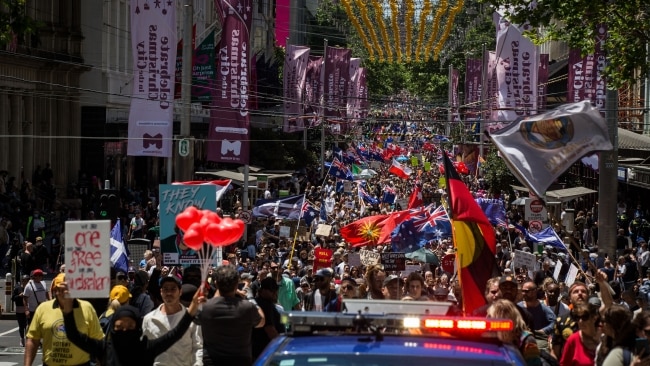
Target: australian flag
(365, 197)
(389, 195)
(338, 169)
(309, 212)
(494, 210)
(119, 258)
(421, 226)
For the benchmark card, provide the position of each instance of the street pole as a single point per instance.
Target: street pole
(322, 111)
(484, 88)
(608, 180)
(449, 102)
(185, 155)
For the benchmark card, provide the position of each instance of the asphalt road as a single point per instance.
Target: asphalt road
(11, 353)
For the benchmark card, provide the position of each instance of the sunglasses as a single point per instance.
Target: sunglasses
(345, 288)
(274, 267)
(583, 317)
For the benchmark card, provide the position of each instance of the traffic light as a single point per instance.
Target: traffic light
(109, 205)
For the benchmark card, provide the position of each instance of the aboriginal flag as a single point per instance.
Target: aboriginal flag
(473, 238)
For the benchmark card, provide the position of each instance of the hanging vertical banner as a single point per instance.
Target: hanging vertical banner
(363, 93)
(516, 69)
(313, 89)
(542, 82)
(153, 44)
(228, 137)
(455, 77)
(337, 75)
(491, 95)
(295, 68)
(585, 79)
(352, 100)
(473, 81)
(203, 70)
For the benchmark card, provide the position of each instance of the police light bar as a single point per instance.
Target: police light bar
(355, 306)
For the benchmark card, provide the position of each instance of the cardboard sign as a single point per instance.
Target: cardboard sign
(88, 258)
(571, 275)
(402, 202)
(375, 165)
(323, 230)
(347, 186)
(525, 259)
(393, 261)
(368, 258)
(322, 258)
(558, 269)
(285, 231)
(354, 259)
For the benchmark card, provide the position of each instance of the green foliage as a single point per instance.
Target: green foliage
(497, 174)
(14, 22)
(576, 22)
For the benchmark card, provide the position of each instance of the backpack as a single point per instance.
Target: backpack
(105, 321)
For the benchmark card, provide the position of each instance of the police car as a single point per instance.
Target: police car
(381, 333)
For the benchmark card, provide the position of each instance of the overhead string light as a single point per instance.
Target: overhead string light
(379, 17)
(355, 22)
(410, 14)
(366, 21)
(442, 8)
(450, 22)
(424, 14)
(394, 11)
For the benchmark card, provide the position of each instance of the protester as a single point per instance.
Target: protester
(620, 332)
(542, 316)
(35, 293)
(323, 298)
(227, 323)
(119, 296)
(520, 336)
(266, 300)
(46, 329)
(18, 299)
(415, 286)
(580, 347)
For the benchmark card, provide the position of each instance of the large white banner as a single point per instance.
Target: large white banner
(88, 258)
(153, 43)
(516, 68)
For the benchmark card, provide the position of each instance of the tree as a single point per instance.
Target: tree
(15, 25)
(576, 23)
(496, 173)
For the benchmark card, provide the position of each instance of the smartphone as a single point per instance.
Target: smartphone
(641, 346)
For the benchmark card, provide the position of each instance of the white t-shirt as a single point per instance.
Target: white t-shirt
(36, 293)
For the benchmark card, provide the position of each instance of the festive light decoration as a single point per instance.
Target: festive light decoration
(441, 41)
(410, 14)
(379, 17)
(434, 30)
(357, 26)
(424, 14)
(393, 18)
(368, 24)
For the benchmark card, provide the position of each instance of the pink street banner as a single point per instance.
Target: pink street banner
(337, 75)
(313, 89)
(228, 136)
(364, 105)
(542, 82)
(353, 102)
(586, 81)
(473, 73)
(295, 67)
(455, 77)
(153, 44)
(492, 93)
(516, 69)
(282, 21)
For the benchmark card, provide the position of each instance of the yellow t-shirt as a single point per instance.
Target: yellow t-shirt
(47, 325)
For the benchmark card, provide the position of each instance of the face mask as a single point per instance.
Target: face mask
(126, 339)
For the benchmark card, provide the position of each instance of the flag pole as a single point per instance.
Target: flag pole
(295, 236)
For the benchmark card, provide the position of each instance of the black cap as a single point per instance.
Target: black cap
(187, 292)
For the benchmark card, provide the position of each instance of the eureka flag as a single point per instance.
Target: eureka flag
(153, 45)
(473, 238)
(539, 149)
(228, 135)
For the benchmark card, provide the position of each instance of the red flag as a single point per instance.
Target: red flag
(416, 197)
(400, 170)
(474, 240)
(371, 230)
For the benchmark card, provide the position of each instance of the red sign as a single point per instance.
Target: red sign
(448, 262)
(535, 226)
(322, 258)
(536, 206)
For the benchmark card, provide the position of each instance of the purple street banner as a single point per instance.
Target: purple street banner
(364, 105)
(203, 70)
(455, 77)
(353, 101)
(473, 72)
(516, 70)
(542, 82)
(585, 79)
(295, 68)
(228, 136)
(153, 43)
(337, 75)
(492, 94)
(313, 89)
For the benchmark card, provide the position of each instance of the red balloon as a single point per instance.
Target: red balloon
(232, 230)
(193, 236)
(214, 234)
(211, 216)
(186, 218)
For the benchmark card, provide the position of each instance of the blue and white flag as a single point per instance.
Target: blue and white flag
(283, 208)
(547, 236)
(309, 213)
(119, 258)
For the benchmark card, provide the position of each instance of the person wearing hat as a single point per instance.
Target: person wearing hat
(18, 299)
(266, 299)
(323, 298)
(46, 324)
(188, 350)
(119, 296)
(125, 343)
(348, 288)
(392, 288)
(509, 290)
(35, 293)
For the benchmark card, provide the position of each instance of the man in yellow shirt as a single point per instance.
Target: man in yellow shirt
(47, 326)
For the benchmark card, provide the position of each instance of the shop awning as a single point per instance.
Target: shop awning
(632, 141)
(561, 195)
(236, 177)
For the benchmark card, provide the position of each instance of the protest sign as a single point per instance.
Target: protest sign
(285, 231)
(393, 261)
(354, 259)
(558, 269)
(410, 268)
(323, 230)
(88, 258)
(571, 275)
(525, 259)
(347, 186)
(368, 258)
(322, 258)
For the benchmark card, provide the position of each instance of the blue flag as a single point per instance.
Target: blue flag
(283, 208)
(494, 209)
(547, 236)
(338, 169)
(365, 197)
(119, 259)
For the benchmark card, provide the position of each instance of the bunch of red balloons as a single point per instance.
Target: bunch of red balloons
(201, 226)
